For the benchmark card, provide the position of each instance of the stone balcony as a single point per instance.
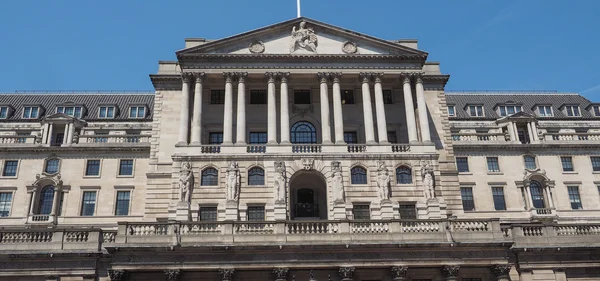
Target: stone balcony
(295, 149)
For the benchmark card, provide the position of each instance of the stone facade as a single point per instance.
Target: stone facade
(299, 151)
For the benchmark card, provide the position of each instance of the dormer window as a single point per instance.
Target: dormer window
(137, 112)
(572, 110)
(596, 110)
(506, 110)
(451, 111)
(74, 111)
(3, 112)
(30, 112)
(476, 110)
(106, 112)
(545, 111)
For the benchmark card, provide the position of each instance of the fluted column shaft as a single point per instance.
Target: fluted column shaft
(271, 109)
(184, 114)
(240, 138)
(228, 110)
(325, 126)
(380, 108)
(338, 117)
(422, 106)
(196, 137)
(285, 116)
(367, 108)
(409, 108)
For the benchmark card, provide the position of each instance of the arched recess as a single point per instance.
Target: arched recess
(537, 190)
(44, 198)
(308, 196)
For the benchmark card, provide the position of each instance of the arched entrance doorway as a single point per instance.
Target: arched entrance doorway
(308, 192)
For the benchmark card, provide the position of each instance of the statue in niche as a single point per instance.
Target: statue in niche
(233, 181)
(337, 182)
(304, 38)
(279, 182)
(186, 181)
(428, 181)
(383, 181)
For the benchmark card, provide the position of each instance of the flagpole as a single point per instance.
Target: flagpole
(298, 5)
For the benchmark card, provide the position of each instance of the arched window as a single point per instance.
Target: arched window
(46, 200)
(303, 132)
(52, 166)
(537, 195)
(403, 175)
(358, 175)
(210, 176)
(256, 176)
(529, 162)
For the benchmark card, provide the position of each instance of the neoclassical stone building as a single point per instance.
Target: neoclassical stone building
(299, 151)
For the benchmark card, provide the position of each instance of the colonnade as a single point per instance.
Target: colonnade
(325, 79)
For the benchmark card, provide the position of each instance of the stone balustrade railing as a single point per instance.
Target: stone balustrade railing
(572, 137)
(310, 148)
(16, 139)
(479, 137)
(496, 138)
(52, 239)
(110, 139)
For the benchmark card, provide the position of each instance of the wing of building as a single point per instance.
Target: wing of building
(299, 151)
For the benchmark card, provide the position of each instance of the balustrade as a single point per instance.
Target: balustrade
(102, 139)
(369, 227)
(312, 227)
(17, 139)
(306, 148)
(253, 148)
(357, 148)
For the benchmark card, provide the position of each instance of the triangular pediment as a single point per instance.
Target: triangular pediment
(519, 116)
(61, 117)
(302, 36)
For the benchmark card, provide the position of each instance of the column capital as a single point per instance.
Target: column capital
(116, 275)
(323, 77)
(500, 269)
(172, 274)
(226, 274)
(335, 76)
(283, 76)
(450, 271)
(186, 76)
(241, 76)
(280, 273)
(399, 272)
(229, 76)
(377, 76)
(199, 76)
(271, 76)
(406, 76)
(346, 272)
(419, 77)
(365, 76)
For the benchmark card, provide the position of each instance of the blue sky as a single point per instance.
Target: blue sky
(482, 44)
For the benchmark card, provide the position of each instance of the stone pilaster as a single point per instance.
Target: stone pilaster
(346, 273)
(399, 273)
(409, 108)
(501, 272)
(197, 110)
(367, 108)
(324, 100)
(228, 109)
(271, 109)
(172, 274)
(116, 275)
(240, 136)
(338, 116)
(284, 103)
(280, 273)
(226, 274)
(185, 109)
(380, 109)
(450, 272)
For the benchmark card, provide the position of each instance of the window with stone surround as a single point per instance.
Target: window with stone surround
(567, 163)
(217, 97)
(347, 97)
(358, 175)
(595, 163)
(404, 175)
(492, 164)
(126, 167)
(498, 196)
(530, 162)
(46, 199)
(258, 138)
(256, 213)
(52, 166)
(88, 203)
(537, 195)
(210, 177)
(303, 132)
(256, 176)
(122, 203)
(466, 194)
(10, 168)
(258, 97)
(361, 211)
(574, 197)
(407, 211)
(462, 164)
(92, 167)
(207, 213)
(5, 203)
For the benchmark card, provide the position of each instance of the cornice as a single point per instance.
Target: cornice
(75, 148)
(292, 157)
(508, 146)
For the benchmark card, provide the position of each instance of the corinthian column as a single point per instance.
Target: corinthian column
(338, 117)
(409, 108)
(285, 116)
(197, 113)
(450, 272)
(501, 272)
(241, 110)
(184, 116)
(367, 108)
(325, 127)
(422, 105)
(380, 108)
(271, 109)
(228, 110)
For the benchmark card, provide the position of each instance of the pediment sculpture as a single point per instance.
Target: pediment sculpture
(303, 38)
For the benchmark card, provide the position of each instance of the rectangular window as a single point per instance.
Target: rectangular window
(122, 203)
(476, 110)
(258, 137)
(30, 112)
(462, 164)
(5, 203)
(10, 168)
(492, 164)
(347, 97)
(350, 137)
(92, 168)
(451, 111)
(392, 138)
(74, 111)
(407, 211)
(595, 163)
(256, 213)
(567, 163)
(106, 112)
(126, 167)
(499, 201)
(545, 111)
(388, 97)
(361, 212)
(3, 112)
(88, 203)
(574, 197)
(217, 97)
(301, 96)
(596, 110)
(207, 214)
(258, 97)
(572, 110)
(506, 110)
(530, 162)
(466, 193)
(137, 112)
(215, 138)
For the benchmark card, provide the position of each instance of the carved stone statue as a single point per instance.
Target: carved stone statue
(337, 182)
(38, 138)
(383, 181)
(75, 137)
(304, 38)
(233, 181)
(186, 181)
(279, 182)
(428, 181)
